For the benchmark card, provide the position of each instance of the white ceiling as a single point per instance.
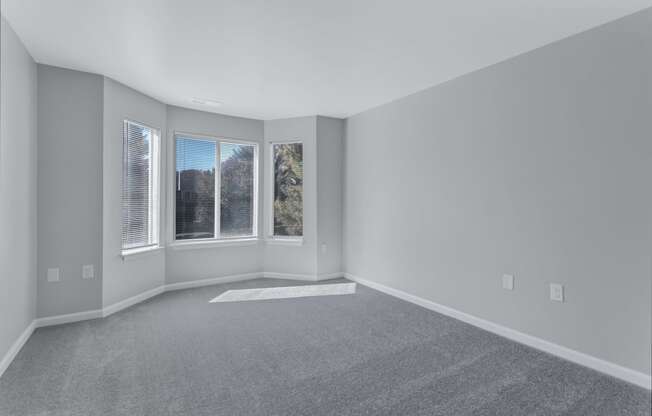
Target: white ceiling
(273, 59)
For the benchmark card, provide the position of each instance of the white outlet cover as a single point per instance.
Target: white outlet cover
(53, 275)
(87, 271)
(556, 292)
(508, 282)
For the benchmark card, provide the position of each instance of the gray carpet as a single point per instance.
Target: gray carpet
(361, 354)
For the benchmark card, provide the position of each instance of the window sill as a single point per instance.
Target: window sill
(285, 241)
(235, 242)
(139, 252)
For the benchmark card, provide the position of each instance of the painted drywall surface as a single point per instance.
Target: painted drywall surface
(17, 187)
(204, 263)
(540, 167)
(330, 132)
(125, 278)
(69, 189)
(298, 260)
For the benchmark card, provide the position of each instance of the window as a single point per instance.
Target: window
(237, 189)
(140, 165)
(204, 165)
(287, 203)
(195, 204)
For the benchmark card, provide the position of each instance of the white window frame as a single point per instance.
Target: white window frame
(155, 188)
(218, 240)
(271, 237)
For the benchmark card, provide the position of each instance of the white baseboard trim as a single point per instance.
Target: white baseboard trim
(615, 370)
(213, 281)
(290, 276)
(67, 318)
(123, 304)
(111, 309)
(606, 367)
(43, 322)
(15, 347)
(329, 276)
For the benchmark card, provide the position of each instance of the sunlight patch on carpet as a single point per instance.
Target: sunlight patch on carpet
(285, 292)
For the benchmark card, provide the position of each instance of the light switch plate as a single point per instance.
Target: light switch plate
(87, 271)
(556, 292)
(508, 282)
(53, 275)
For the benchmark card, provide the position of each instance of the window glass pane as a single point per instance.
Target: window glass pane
(195, 188)
(237, 194)
(288, 189)
(138, 193)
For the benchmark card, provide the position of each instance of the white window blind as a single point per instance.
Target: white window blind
(139, 186)
(195, 188)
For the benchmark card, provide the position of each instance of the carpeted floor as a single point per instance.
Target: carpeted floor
(360, 354)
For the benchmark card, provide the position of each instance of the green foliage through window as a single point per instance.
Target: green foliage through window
(288, 189)
(237, 194)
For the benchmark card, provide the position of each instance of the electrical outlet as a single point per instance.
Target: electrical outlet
(323, 247)
(87, 271)
(556, 292)
(508, 282)
(53, 275)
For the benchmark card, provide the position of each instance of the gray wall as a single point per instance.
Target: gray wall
(205, 263)
(125, 278)
(539, 166)
(69, 189)
(330, 135)
(298, 260)
(17, 187)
